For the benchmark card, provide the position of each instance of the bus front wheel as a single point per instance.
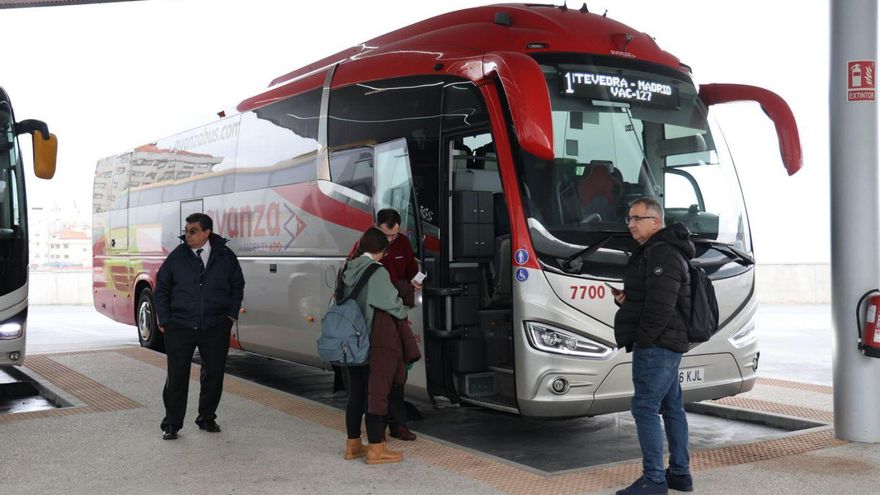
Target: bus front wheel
(147, 325)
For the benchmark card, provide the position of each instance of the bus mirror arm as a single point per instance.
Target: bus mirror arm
(773, 106)
(30, 126)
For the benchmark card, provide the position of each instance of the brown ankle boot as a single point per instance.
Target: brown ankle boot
(378, 454)
(354, 448)
(402, 432)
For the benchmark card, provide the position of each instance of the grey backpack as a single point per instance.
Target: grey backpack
(345, 338)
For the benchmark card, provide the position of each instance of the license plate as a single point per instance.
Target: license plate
(687, 376)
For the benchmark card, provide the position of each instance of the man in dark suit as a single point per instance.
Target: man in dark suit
(199, 290)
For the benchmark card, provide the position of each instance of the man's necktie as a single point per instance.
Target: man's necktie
(201, 263)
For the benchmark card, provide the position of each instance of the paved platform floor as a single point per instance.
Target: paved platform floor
(544, 446)
(277, 442)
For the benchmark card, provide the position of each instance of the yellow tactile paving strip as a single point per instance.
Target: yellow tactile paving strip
(807, 387)
(512, 479)
(814, 414)
(96, 397)
(820, 415)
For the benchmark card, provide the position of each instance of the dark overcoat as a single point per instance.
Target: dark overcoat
(392, 347)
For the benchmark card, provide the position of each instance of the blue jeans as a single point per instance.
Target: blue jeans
(658, 392)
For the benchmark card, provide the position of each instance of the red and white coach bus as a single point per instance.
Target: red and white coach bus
(511, 138)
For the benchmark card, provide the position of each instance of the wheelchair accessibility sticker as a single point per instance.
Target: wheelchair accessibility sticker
(521, 256)
(522, 274)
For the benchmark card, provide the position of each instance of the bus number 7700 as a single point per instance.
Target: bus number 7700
(587, 291)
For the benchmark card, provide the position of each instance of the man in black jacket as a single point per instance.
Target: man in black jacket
(199, 290)
(656, 292)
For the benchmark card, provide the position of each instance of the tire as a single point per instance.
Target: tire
(147, 325)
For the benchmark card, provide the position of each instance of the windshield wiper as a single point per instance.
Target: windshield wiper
(575, 262)
(741, 257)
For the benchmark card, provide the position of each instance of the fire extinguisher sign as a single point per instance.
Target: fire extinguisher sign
(860, 80)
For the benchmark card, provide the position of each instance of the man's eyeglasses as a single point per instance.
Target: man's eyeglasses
(635, 218)
(192, 231)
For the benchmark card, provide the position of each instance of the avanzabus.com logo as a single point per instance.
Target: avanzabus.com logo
(207, 136)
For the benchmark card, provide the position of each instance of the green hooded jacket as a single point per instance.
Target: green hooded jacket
(379, 293)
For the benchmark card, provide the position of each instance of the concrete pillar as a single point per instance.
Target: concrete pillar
(855, 217)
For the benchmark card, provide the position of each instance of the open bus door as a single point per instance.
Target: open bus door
(467, 298)
(393, 188)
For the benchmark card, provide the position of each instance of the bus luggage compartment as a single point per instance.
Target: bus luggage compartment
(703, 376)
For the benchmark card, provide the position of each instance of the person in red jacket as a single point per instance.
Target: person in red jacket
(399, 259)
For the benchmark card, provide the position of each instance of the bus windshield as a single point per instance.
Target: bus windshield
(11, 213)
(620, 134)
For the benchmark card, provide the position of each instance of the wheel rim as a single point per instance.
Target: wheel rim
(145, 321)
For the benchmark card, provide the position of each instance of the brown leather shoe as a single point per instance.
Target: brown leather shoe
(354, 448)
(378, 454)
(402, 432)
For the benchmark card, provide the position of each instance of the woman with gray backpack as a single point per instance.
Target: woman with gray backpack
(376, 293)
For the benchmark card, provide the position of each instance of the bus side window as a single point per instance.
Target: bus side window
(353, 168)
(278, 143)
(102, 190)
(188, 165)
(120, 182)
(362, 116)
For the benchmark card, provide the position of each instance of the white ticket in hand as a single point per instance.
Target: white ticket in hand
(419, 277)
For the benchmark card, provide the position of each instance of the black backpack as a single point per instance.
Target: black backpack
(702, 323)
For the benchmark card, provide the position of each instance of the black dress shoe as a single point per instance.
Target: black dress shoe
(208, 425)
(169, 433)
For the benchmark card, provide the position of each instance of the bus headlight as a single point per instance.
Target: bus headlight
(551, 339)
(10, 330)
(746, 335)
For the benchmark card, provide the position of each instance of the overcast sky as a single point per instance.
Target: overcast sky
(110, 77)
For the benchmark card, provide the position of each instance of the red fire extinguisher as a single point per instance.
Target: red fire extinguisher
(869, 338)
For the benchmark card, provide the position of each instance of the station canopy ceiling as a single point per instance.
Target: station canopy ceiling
(20, 4)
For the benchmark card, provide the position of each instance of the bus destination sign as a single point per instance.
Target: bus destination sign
(615, 87)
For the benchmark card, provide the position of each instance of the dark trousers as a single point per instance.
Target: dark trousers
(339, 377)
(180, 343)
(396, 407)
(356, 408)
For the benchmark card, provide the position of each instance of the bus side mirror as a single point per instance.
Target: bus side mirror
(528, 100)
(45, 155)
(773, 106)
(45, 146)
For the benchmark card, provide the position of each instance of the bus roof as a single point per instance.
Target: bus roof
(451, 44)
